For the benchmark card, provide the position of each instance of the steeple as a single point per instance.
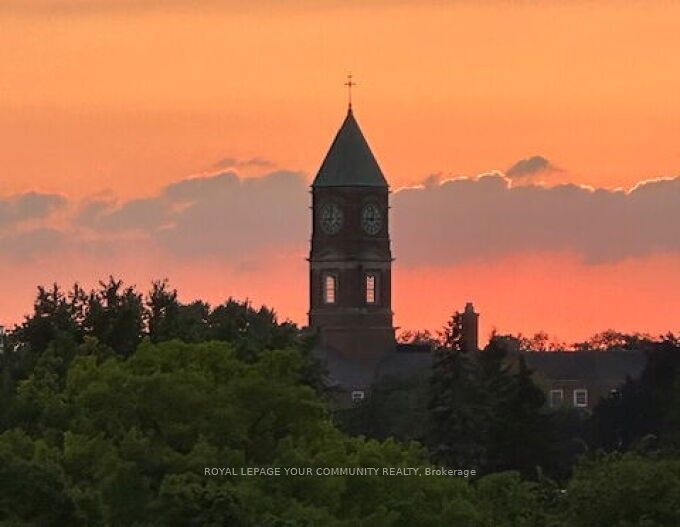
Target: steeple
(349, 162)
(350, 259)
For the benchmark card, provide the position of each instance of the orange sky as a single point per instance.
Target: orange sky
(99, 98)
(127, 97)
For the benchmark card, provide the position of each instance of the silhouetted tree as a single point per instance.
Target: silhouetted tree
(520, 436)
(485, 410)
(641, 407)
(54, 313)
(610, 339)
(249, 328)
(163, 312)
(418, 337)
(458, 413)
(114, 315)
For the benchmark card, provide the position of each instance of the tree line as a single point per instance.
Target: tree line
(114, 402)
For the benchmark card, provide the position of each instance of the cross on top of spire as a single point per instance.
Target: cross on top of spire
(349, 85)
(349, 161)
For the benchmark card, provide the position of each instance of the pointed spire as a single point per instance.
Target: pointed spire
(349, 161)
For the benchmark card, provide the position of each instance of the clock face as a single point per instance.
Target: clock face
(331, 218)
(371, 219)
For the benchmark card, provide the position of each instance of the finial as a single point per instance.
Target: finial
(349, 85)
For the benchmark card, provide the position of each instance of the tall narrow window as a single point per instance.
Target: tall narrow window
(330, 283)
(371, 288)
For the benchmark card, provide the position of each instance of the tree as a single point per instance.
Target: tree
(54, 313)
(642, 407)
(541, 342)
(610, 340)
(251, 330)
(396, 408)
(32, 484)
(128, 441)
(115, 316)
(418, 337)
(457, 411)
(485, 410)
(509, 501)
(162, 312)
(521, 435)
(624, 490)
(169, 319)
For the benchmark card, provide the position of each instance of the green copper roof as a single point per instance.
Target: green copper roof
(350, 162)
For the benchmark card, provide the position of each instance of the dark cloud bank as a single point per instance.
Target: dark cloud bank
(28, 206)
(220, 215)
(440, 223)
(466, 219)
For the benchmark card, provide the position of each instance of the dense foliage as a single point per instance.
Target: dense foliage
(126, 442)
(480, 410)
(114, 403)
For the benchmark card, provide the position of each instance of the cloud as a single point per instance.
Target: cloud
(145, 214)
(232, 216)
(487, 217)
(244, 220)
(219, 215)
(28, 206)
(530, 166)
(232, 162)
(25, 246)
(442, 222)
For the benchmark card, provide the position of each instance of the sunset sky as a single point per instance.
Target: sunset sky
(151, 139)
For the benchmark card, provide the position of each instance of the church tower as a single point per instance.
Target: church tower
(350, 260)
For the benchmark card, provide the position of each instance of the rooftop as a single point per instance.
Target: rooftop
(349, 161)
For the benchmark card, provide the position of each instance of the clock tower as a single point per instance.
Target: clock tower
(350, 260)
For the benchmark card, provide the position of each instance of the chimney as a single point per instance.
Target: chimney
(470, 329)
